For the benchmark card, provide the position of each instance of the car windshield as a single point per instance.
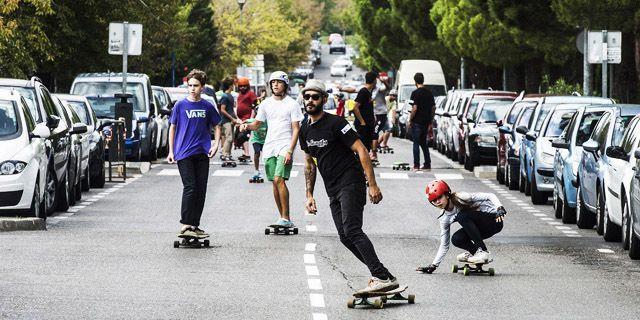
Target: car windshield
(558, 121)
(81, 110)
(493, 111)
(104, 92)
(587, 124)
(544, 111)
(161, 97)
(8, 118)
(29, 95)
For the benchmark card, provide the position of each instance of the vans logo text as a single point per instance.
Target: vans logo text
(196, 114)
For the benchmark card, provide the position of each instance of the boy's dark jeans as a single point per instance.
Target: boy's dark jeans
(476, 226)
(419, 135)
(194, 171)
(347, 206)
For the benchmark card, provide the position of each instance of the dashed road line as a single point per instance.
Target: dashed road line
(312, 270)
(311, 228)
(605, 251)
(309, 258)
(319, 316)
(317, 300)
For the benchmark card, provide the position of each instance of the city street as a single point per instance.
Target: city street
(111, 256)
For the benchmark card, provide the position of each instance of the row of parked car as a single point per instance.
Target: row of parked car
(52, 146)
(582, 152)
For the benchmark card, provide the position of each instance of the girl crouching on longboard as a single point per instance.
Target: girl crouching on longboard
(479, 214)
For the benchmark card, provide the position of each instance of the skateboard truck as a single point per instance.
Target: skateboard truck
(362, 299)
(256, 180)
(191, 242)
(470, 268)
(232, 164)
(400, 166)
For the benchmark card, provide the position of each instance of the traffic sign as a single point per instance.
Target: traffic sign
(116, 39)
(611, 51)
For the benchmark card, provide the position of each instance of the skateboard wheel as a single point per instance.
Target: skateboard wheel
(378, 304)
(466, 271)
(454, 269)
(267, 231)
(295, 230)
(176, 244)
(411, 298)
(384, 299)
(492, 272)
(233, 165)
(351, 303)
(206, 243)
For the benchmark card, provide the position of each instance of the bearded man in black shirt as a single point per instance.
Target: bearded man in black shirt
(332, 146)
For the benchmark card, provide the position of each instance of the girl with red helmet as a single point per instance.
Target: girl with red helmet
(479, 214)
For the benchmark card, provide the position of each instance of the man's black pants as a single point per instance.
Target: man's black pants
(476, 226)
(347, 206)
(194, 171)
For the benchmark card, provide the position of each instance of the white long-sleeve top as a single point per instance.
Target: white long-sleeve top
(486, 202)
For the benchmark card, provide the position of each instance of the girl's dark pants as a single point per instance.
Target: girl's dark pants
(194, 171)
(347, 206)
(476, 226)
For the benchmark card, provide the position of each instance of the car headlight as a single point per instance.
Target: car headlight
(12, 167)
(547, 158)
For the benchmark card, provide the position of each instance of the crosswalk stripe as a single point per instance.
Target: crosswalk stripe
(394, 176)
(169, 172)
(227, 173)
(448, 176)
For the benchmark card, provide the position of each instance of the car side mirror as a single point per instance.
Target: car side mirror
(152, 109)
(469, 120)
(559, 143)
(522, 130)
(165, 112)
(172, 104)
(78, 128)
(591, 145)
(53, 122)
(143, 119)
(531, 136)
(504, 130)
(616, 152)
(40, 131)
(499, 123)
(459, 117)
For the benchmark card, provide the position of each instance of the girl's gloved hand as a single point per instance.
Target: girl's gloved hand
(428, 269)
(500, 213)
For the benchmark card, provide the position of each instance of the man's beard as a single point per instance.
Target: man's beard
(315, 111)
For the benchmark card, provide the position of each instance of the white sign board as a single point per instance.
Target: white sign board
(116, 39)
(611, 51)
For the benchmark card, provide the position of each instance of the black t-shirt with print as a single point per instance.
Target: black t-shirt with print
(423, 100)
(366, 107)
(329, 141)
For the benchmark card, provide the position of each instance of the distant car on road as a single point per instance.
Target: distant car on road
(339, 69)
(337, 46)
(333, 37)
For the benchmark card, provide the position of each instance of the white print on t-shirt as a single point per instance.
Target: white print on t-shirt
(319, 143)
(196, 113)
(346, 129)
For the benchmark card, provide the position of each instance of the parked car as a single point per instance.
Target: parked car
(454, 124)
(590, 197)
(337, 46)
(568, 158)
(82, 107)
(634, 211)
(514, 147)
(481, 135)
(79, 160)
(164, 111)
(24, 161)
(506, 131)
(99, 88)
(338, 69)
(43, 110)
(437, 115)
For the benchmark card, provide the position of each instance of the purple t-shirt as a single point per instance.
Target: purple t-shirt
(193, 121)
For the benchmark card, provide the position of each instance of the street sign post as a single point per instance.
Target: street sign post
(119, 44)
(604, 47)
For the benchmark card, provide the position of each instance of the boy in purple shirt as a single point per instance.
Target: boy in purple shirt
(190, 145)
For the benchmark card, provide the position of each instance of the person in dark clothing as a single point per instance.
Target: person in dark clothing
(365, 121)
(190, 145)
(420, 121)
(341, 157)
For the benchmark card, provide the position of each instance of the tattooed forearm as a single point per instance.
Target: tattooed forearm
(310, 176)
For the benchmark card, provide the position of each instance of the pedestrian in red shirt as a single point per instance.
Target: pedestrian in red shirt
(247, 100)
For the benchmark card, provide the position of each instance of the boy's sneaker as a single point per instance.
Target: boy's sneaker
(481, 257)
(200, 233)
(288, 223)
(279, 223)
(464, 257)
(187, 233)
(379, 285)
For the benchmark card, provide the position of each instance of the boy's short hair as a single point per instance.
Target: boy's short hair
(370, 77)
(418, 78)
(227, 83)
(199, 75)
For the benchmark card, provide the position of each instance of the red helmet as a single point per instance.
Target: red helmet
(436, 188)
(243, 81)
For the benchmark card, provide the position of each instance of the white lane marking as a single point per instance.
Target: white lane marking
(98, 196)
(554, 223)
(317, 300)
(86, 203)
(72, 210)
(311, 228)
(503, 191)
(309, 259)
(563, 228)
(78, 207)
(605, 251)
(394, 176)
(314, 284)
(119, 186)
(573, 235)
(293, 174)
(310, 247)
(103, 193)
(517, 201)
(533, 210)
(320, 316)
(169, 172)
(62, 217)
(448, 176)
(539, 214)
(546, 219)
(510, 198)
(528, 207)
(312, 270)
(92, 200)
(227, 173)
(569, 232)
(137, 176)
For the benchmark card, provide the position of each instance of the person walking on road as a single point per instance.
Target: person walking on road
(247, 101)
(391, 107)
(343, 161)
(190, 145)
(420, 121)
(282, 115)
(481, 216)
(229, 118)
(365, 121)
(380, 111)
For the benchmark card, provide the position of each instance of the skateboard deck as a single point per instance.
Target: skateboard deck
(469, 268)
(252, 180)
(232, 164)
(191, 242)
(277, 229)
(400, 166)
(385, 150)
(362, 298)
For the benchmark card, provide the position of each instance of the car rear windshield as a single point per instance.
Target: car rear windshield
(558, 121)
(587, 124)
(100, 94)
(29, 95)
(8, 118)
(493, 111)
(81, 110)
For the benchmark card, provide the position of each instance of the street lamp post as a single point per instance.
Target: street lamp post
(241, 4)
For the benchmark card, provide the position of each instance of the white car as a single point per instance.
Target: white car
(347, 61)
(339, 69)
(23, 158)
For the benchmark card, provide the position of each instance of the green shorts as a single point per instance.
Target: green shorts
(274, 166)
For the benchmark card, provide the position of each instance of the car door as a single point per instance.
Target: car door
(615, 172)
(590, 167)
(60, 140)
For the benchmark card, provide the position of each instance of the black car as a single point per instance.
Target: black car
(44, 110)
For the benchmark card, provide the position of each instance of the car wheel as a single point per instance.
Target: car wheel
(584, 218)
(468, 163)
(611, 232)
(499, 175)
(626, 227)
(62, 198)
(513, 177)
(527, 187)
(50, 193)
(78, 193)
(521, 181)
(557, 202)
(568, 213)
(634, 243)
(600, 212)
(35, 208)
(537, 196)
(98, 180)
(86, 182)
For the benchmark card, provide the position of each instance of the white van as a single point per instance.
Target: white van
(433, 80)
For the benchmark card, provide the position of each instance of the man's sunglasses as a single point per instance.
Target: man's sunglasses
(314, 97)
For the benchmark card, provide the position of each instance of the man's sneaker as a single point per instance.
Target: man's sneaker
(481, 257)
(426, 167)
(464, 257)
(378, 285)
(187, 233)
(416, 168)
(200, 233)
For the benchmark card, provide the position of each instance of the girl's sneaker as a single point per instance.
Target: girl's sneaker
(464, 257)
(481, 257)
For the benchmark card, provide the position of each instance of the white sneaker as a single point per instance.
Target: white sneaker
(481, 257)
(464, 257)
(378, 285)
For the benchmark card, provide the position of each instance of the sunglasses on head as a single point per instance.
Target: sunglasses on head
(314, 97)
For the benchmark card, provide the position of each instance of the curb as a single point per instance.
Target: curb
(22, 224)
